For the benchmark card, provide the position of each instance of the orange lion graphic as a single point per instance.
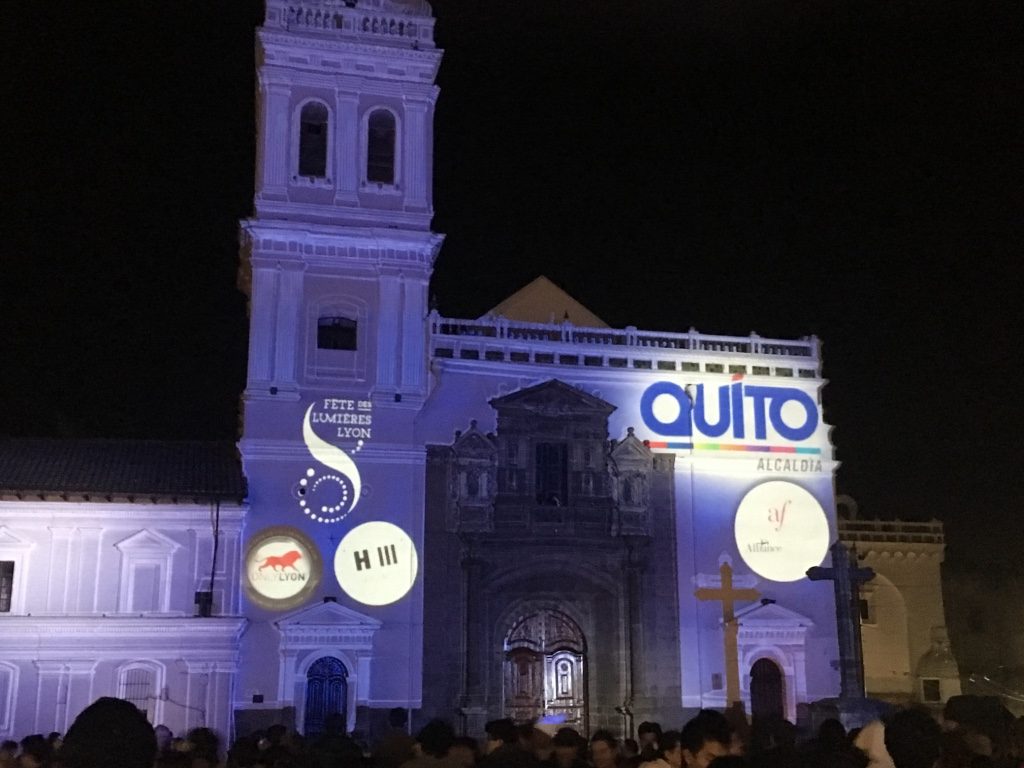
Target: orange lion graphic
(287, 560)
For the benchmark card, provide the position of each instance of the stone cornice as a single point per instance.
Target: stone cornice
(777, 635)
(338, 240)
(289, 450)
(153, 635)
(348, 81)
(83, 513)
(346, 638)
(428, 60)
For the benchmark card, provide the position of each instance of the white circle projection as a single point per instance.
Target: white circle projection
(781, 531)
(282, 568)
(376, 563)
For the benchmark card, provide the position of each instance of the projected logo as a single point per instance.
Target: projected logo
(282, 568)
(699, 418)
(330, 496)
(376, 563)
(781, 531)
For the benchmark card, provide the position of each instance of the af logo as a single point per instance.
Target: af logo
(777, 516)
(781, 530)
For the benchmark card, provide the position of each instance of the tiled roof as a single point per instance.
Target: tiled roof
(144, 469)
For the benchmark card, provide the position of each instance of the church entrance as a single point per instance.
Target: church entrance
(767, 697)
(326, 694)
(545, 669)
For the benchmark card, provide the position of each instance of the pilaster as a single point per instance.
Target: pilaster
(272, 163)
(346, 155)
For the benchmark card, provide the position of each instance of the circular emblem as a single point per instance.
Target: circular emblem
(376, 563)
(781, 531)
(282, 568)
(328, 497)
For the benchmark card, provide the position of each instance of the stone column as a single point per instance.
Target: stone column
(346, 149)
(84, 600)
(274, 149)
(414, 359)
(291, 340)
(49, 694)
(389, 331)
(473, 709)
(221, 698)
(60, 562)
(261, 317)
(634, 630)
(414, 151)
(198, 707)
(79, 689)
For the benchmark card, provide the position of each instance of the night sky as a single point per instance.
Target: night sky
(851, 170)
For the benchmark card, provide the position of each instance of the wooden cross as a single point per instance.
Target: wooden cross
(731, 628)
(846, 579)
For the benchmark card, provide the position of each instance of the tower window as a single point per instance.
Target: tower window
(6, 585)
(551, 474)
(380, 147)
(336, 333)
(313, 140)
(867, 609)
(931, 689)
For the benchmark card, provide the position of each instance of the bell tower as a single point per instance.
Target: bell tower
(338, 256)
(336, 262)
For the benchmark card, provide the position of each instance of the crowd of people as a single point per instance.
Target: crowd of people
(112, 733)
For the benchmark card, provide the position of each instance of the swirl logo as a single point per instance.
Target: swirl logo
(328, 497)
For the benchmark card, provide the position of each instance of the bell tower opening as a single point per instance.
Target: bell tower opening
(545, 669)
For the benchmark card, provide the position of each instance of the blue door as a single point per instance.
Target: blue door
(326, 693)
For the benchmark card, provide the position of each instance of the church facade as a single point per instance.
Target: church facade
(514, 515)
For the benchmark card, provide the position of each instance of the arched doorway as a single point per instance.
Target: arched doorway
(767, 696)
(326, 694)
(545, 669)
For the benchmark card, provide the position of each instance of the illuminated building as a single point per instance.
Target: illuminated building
(476, 517)
(903, 620)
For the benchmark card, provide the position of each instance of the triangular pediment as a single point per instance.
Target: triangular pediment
(553, 398)
(631, 448)
(10, 540)
(775, 615)
(541, 301)
(473, 441)
(148, 541)
(328, 614)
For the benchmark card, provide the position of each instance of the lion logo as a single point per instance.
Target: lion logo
(287, 560)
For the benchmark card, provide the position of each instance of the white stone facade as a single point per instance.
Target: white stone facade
(103, 605)
(902, 607)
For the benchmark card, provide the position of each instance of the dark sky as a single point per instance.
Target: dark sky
(848, 169)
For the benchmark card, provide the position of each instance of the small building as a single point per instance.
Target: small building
(907, 656)
(104, 546)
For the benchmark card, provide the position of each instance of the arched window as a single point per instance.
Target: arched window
(313, 140)
(139, 683)
(380, 147)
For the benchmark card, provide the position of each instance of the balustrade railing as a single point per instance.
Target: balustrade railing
(501, 329)
(315, 17)
(903, 531)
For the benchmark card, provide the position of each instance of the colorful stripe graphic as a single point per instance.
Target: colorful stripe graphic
(731, 447)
